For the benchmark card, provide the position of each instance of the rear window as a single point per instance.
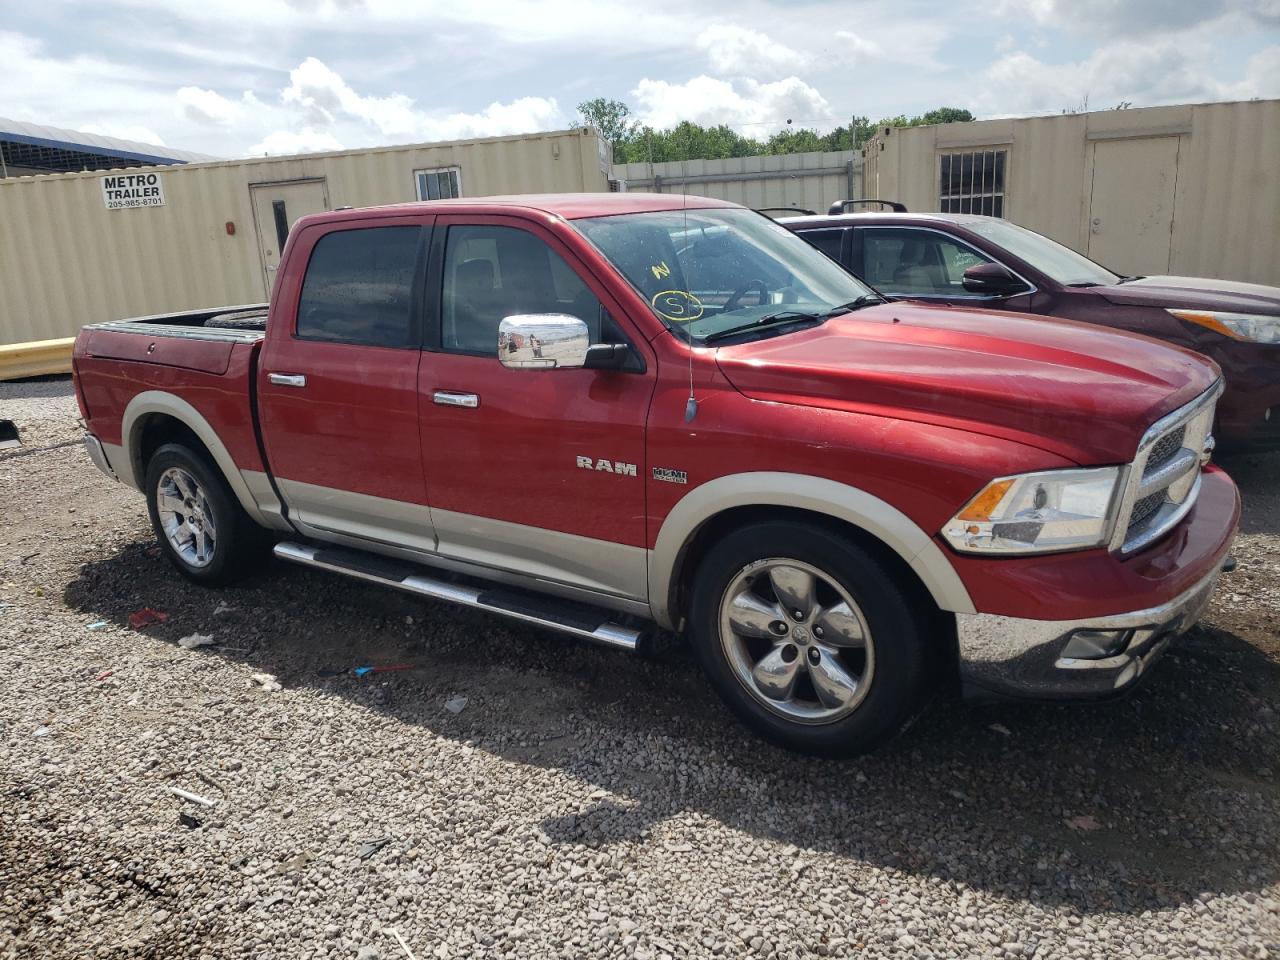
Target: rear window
(359, 288)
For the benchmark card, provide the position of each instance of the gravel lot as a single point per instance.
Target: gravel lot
(581, 803)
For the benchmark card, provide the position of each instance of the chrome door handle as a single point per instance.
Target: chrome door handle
(447, 398)
(287, 379)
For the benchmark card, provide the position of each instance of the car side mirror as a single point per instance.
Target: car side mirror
(992, 279)
(543, 341)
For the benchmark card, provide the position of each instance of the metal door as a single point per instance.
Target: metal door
(276, 208)
(1131, 204)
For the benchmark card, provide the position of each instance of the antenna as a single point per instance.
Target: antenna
(691, 405)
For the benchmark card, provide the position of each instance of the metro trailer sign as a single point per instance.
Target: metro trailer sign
(123, 190)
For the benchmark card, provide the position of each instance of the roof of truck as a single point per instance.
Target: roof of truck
(570, 206)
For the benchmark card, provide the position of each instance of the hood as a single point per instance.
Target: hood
(1083, 392)
(1196, 293)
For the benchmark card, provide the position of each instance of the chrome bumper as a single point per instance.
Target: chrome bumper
(93, 446)
(1069, 659)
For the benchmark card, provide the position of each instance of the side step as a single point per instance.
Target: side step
(565, 616)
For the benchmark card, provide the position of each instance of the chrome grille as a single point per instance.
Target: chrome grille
(1163, 480)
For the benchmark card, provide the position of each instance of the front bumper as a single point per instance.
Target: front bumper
(1017, 657)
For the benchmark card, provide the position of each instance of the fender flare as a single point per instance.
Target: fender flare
(158, 401)
(817, 495)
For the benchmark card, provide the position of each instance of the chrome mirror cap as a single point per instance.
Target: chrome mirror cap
(543, 341)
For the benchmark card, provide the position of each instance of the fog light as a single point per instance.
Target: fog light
(1096, 644)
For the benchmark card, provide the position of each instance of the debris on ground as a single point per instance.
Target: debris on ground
(41, 732)
(222, 607)
(187, 820)
(389, 668)
(211, 782)
(267, 682)
(191, 641)
(400, 940)
(145, 617)
(98, 625)
(455, 705)
(370, 847)
(1084, 823)
(192, 797)
(103, 675)
(1000, 728)
(9, 435)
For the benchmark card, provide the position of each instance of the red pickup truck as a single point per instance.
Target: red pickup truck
(601, 413)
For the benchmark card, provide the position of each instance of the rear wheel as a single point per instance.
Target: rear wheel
(808, 638)
(200, 525)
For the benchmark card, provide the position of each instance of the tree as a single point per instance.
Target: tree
(944, 115)
(607, 116)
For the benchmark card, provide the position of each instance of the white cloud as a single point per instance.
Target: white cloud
(1146, 74)
(741, 52)
(745, 103)
(284, 142)
(206, 107)
(1148, 16)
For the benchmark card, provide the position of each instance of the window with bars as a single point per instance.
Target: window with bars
(972, 182)
(437, 184)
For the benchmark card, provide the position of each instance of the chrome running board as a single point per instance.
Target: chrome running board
(564, 616)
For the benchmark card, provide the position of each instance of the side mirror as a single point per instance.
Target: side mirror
(993, 279)
(543, 341)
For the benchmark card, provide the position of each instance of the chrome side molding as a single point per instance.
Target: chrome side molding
(548, 612)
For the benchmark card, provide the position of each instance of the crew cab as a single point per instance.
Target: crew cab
(969, 260)
(606, 413)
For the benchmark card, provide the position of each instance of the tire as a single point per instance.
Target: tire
(187, 494)
(242, 320)
(860, 626)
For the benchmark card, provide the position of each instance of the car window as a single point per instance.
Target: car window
(828, 241)
(359, 288)
(492, 272)
(916, 262)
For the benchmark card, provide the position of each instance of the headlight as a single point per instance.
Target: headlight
(1238, 326)
(1038, 513)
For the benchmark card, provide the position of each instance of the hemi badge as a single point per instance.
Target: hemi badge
(667, 475)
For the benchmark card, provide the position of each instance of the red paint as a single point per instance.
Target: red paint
(920, 406)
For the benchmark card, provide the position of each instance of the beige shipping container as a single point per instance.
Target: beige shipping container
(1190, 190)
(800, 181)
(66, 259)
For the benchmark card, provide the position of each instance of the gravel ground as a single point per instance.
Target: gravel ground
(580, 803)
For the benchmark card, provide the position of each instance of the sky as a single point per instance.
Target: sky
(249, 77)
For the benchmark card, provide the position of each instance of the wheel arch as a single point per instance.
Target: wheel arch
(155, 417)
(729, 502)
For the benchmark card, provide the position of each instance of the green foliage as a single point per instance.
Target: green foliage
(633, 143)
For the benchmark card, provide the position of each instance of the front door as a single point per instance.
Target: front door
(1131, 204)
(276, 208)
(338, 383)
(538, 472)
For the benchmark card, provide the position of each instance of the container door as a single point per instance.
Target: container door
(276, 208)
(1131, 204)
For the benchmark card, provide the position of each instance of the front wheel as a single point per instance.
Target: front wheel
(808, 638)
(200, 525)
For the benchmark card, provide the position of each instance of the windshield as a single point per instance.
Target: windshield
(1048, 256)
(705, 272)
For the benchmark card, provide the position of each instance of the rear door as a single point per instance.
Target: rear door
(337, 382)
(922, 263)
(538, 472)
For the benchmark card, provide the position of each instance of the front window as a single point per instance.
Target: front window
(915, 262)
(1048, 256)
(706, 273)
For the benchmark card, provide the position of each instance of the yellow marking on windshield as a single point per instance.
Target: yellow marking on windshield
(660, 270)
(679, 306)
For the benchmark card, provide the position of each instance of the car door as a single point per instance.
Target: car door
(338, 382)
(538, 472)
(921, 263)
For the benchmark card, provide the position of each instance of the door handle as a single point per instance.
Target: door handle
(447, 398)
(287, 379)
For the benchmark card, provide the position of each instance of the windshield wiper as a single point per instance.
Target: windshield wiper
(857, 303)
(768, 320)
(1128, 279)
(1083, 283)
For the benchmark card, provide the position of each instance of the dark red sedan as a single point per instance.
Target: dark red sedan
(976, 261)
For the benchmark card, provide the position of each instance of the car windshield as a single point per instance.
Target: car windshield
(1048, 256)
(708, 273)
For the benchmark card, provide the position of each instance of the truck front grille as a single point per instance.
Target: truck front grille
(1164, 478)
